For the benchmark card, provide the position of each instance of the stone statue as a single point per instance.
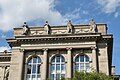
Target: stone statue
(25, 29)
(46, 28)
(69, 27)
(92, 26)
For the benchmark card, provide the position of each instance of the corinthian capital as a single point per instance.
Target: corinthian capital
(93, 47)
(69, 48)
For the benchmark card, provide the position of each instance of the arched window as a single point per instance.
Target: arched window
(57, 68)
(82, 63)
(33, 68)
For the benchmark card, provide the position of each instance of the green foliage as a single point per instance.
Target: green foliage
(91, 76)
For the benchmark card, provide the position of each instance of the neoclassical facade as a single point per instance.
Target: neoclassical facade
(39, 53)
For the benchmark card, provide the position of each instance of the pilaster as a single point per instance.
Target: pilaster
(44, 69)
(69, 63)
(16, 67)
(94, 58)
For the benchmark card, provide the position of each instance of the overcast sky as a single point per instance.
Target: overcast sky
(13, 13)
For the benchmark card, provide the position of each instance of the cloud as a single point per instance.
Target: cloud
(14, 12)
(116, 14)
(75, 15)
(109, 6)
(3, 48)
(3, 36)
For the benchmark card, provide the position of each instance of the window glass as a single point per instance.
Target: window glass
(53, 60)
(82, 63)
(63, 60)
(52, 76)
(57, 68)
(39, 60)
(34, 60)
(33, 68)
(77, 59)
(82, 58)
(52, 68)
(29, 69)
(77, 67)
(87, 59)
(62, 67)
(38, 69)
(58, 76)
(30, 61)
(58, 59)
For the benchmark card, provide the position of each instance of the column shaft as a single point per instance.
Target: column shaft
(69, 62)
(94, 60)
(44, 65)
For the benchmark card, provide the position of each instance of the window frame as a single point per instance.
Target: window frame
(31, 63)
(60, 63)
(85, 62)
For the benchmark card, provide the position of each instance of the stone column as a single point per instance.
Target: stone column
(94, 58)
(69, 63)
(25, 72)
(44, 64)
(16, 67)
(2, 77)
(21, 63)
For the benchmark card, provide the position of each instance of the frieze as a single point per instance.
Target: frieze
(47, 29)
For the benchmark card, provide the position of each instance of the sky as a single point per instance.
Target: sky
(13, 13)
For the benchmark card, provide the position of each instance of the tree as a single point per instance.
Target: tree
(91, 76)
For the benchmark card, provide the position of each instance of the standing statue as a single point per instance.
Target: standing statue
(92, 26)
(46, 28)
(69, 27)
(25, 29)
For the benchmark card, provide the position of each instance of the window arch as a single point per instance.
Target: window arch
(82, 63)
(34, 68)
(57, 68)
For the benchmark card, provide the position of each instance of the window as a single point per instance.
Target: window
(57, 68)
(33, 68)
(82, 63)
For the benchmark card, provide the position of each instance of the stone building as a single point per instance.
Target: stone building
(51, 52)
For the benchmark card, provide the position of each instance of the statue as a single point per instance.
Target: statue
(46, 28)
(25, 29)
(69, 27)
(92, 26)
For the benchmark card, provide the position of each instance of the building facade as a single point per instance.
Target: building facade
(39, 53)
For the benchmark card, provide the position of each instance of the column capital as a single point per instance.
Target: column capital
(21, 50)
(93, 47)
(4, 66)
(45, 49)
(68, 48)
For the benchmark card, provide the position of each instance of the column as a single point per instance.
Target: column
(94, 58)
(69, 63)
(3, 71)
(21, 63)
(44, 64)
(16, 67)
